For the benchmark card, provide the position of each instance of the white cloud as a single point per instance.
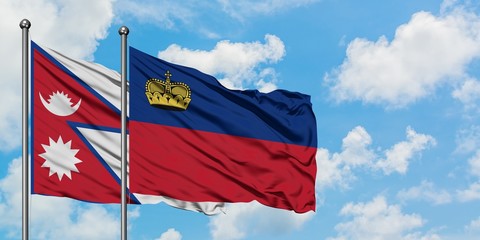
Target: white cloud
(377, 220)
(134, 213)
(239, 71)
(57, 24)
(169, 14)
(425, 191)
(471, 231)
(468, 140)
(243, 9)
(336, 169)
(474, 163)
(357, 152)
(244, 219)
(52, 217)
(468, 93)
(164, 13)
(448, 5)
(420, 236)
(170, 234)
(411, 66)
(473, 226)
(331, 171)
(472, 193)
(11, 197)
(398, 157)
(61, 25)
(92, 222)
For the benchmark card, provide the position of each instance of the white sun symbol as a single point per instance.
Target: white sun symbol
(60, 158)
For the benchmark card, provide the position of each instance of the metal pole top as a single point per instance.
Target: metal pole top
(122, 31)
(26, 24)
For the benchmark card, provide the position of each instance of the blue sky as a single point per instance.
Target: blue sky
(395, 89)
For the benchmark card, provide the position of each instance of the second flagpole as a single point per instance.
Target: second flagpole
(123, 31)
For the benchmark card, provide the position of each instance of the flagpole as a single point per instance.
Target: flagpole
(123, 31)
(25, 26)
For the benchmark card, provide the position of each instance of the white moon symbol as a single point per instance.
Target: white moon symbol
(60, 104)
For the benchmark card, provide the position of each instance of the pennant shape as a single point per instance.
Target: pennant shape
(194, 140)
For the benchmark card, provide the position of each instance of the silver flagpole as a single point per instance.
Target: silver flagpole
(123, 31)
(25, 25)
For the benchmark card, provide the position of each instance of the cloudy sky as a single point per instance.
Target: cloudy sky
(395, 89)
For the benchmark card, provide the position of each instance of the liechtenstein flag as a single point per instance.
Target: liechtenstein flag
(194, 140)
(76, 132)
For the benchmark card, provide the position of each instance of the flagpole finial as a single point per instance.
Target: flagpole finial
(123, 30)
(25, 24)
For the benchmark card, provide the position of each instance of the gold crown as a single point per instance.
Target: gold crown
(171, 95)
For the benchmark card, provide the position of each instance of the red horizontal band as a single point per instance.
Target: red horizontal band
(194, 165)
